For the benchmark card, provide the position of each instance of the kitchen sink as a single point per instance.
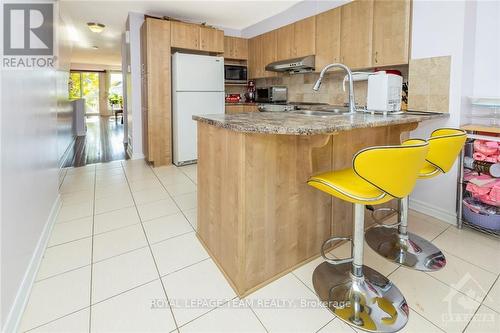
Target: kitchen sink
(316, 113)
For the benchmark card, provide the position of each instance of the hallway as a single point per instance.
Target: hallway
(103, 142)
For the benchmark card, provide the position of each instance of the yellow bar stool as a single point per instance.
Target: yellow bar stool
(393, 241)
(357, 294)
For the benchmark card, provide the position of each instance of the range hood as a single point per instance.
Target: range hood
(293, 66)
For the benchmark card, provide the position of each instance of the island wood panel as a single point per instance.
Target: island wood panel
(286, 220)
(257, 217)
(221, 199)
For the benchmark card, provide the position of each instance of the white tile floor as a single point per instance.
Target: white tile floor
(123, 257)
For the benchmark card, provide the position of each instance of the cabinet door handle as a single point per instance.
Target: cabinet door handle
(376, 56)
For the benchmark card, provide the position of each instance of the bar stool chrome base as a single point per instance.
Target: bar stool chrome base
(409, 250)
(371, 303)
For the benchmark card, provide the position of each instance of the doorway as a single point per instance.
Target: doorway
(102, 92)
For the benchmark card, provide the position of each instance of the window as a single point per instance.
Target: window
(85, 85)
(115, 92)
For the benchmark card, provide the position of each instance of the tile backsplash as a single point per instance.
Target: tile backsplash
(331, 91)
(430, 84)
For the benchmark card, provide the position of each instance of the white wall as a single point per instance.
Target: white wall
(469, 32)
(133, 85)
(487, 50)
(32, 139)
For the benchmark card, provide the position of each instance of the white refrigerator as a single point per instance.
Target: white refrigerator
(197, 88)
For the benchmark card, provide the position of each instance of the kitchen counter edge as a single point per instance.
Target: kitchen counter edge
(294, 124)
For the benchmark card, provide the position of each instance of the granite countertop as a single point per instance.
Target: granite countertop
(299, 124)
(240, 103)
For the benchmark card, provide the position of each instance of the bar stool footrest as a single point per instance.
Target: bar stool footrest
(379, 219)
(334, 261)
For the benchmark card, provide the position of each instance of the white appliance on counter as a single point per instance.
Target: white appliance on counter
(197, 88)
(384, 90)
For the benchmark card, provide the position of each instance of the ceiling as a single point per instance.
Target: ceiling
(230, 15)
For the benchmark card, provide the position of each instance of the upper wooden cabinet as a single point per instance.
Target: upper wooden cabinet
(285, 42)
(304, 39)
(211, 40)
(262, 50)
(296, 39)
(327, 38)
(185, 35)
(391, 32)
(196, 37)
(235, 48)
(356, 34)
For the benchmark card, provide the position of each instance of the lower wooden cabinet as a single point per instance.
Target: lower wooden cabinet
(238, 108)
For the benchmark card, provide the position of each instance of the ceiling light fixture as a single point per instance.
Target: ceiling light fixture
(95, 47)
(96, 27)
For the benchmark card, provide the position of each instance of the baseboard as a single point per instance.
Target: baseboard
(133, 156)
(67, 153)
(23, 293)
(431, 210)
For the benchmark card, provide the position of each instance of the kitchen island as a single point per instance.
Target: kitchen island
(257, 217)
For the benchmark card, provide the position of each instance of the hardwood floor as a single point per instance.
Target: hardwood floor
(103, 143)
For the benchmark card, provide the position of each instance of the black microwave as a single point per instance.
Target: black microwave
(235, 74)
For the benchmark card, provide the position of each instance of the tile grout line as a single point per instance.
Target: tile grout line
(418, 313)
(56, 319)
(211, 310)
(480, 304)
(151, 250)
(92, 254)
(487, 294)
(172, 197)
(126, 252)
(260, 321)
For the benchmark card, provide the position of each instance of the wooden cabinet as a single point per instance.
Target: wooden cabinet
(356, 34)
(391, 32)
(156, 95)
(327, 38)
(285, 42)
(211, 40)
(185, 35)
(297, 39)
(235, 48)
(304, 37)
(191, 36)
(238, 108)
(262, 51)
(253, 56)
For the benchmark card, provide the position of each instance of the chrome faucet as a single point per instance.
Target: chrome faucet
(352, 106)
